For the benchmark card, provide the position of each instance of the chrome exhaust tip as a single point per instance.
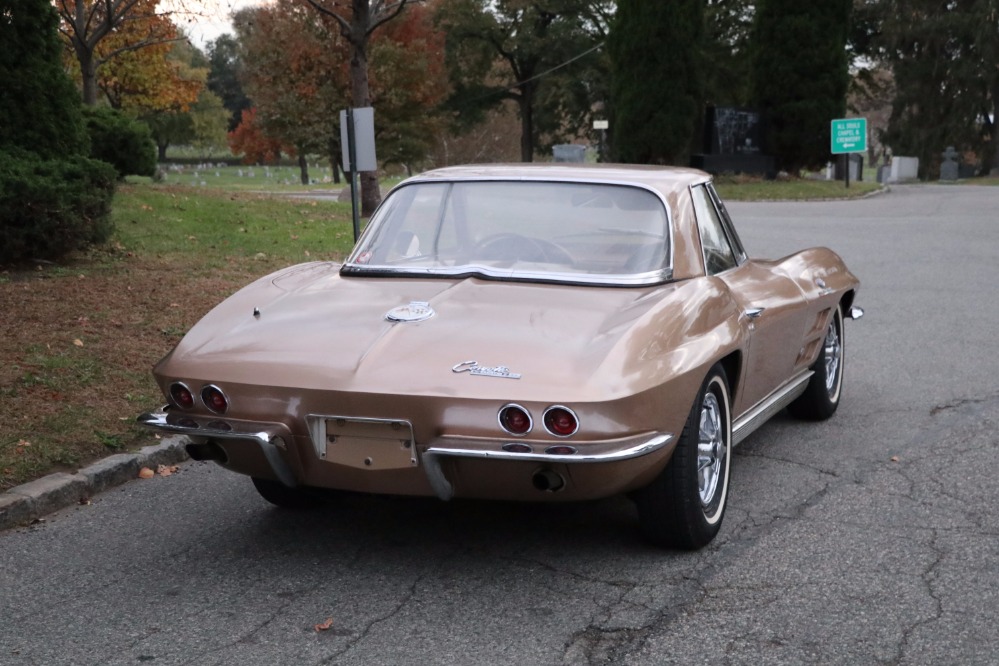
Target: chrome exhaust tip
(548, 481)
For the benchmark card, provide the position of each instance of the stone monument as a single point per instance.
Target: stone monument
(949, 168)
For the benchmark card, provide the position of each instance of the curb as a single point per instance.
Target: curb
(30, 501)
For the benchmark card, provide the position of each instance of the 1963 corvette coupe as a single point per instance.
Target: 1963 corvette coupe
(522, 332)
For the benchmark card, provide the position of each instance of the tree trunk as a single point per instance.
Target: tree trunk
(526, 102)
(360, 93)
(303, 167)
(161, 149)
(88, 70)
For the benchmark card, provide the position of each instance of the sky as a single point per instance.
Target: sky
(204, 20)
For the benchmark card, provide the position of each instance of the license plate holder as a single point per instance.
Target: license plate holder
(372, 444)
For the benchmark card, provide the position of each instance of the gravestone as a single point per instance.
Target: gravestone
(904, 169)
(733, 143)
(568, 152)
(949, 168)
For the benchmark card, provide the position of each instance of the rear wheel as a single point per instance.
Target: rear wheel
(683, 507)
(281, 495)
(821, 396)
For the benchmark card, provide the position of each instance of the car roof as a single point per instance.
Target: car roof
(665, 179)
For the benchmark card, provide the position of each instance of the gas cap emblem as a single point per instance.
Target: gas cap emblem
(415, 311)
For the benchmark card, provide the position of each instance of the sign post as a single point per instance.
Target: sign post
(602, 126)
(357, 142)
(848, 135)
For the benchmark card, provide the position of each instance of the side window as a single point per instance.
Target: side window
(740, 251)
(718, 253)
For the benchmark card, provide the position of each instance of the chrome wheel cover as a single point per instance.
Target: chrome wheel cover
(833, 347)
(712, 449)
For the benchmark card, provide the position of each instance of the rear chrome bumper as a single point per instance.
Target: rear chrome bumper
(603, 451)
(272, 438)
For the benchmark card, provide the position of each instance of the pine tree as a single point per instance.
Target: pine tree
(53, 199)
(800, 76)
(657, 80)
(39, 107)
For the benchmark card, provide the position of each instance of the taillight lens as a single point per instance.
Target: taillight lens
(560, 421)
(181, 395)
(214, 399)
(515, 420)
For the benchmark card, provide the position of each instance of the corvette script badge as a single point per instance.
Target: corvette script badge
(473, 368)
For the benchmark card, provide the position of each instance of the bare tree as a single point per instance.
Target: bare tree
(358, 20)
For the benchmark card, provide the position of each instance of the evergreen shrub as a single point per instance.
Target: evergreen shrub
(49, 208)
(121, 141)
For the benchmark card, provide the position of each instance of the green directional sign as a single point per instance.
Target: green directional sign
(848, 135)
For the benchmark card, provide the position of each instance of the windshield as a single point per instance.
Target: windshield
(519, 229)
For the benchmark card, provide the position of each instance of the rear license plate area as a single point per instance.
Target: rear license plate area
(373, 444)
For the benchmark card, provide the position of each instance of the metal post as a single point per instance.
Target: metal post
(352, 155)
(846, 169)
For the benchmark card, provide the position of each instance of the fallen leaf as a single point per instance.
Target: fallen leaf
(146, 473)
(324, 626)
(895, 458)
(166, 470)
(85, 501)
(78, 342)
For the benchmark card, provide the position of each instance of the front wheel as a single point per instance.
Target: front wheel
(821, 396)
(683, 507)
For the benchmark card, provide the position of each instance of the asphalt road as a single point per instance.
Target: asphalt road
(868, 539)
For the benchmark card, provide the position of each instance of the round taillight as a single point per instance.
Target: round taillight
(214, 399)
(181, 395)
(560, 421)
(515, 420)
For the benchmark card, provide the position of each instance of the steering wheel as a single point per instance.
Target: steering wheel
(508, 246)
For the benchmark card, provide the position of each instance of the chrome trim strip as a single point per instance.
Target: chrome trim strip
(263, 434)
(746, 424)
(474, 270)
(455, 447)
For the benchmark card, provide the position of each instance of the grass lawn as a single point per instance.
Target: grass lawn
(78, 340)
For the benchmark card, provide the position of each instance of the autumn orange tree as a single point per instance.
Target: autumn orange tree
(295, 73)
(147, 79)
(250, 141)
(408, 83)
(87, 24)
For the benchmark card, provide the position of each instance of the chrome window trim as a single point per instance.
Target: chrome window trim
(727, 224)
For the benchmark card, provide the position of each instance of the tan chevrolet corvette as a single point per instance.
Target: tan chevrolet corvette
(522, 332)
